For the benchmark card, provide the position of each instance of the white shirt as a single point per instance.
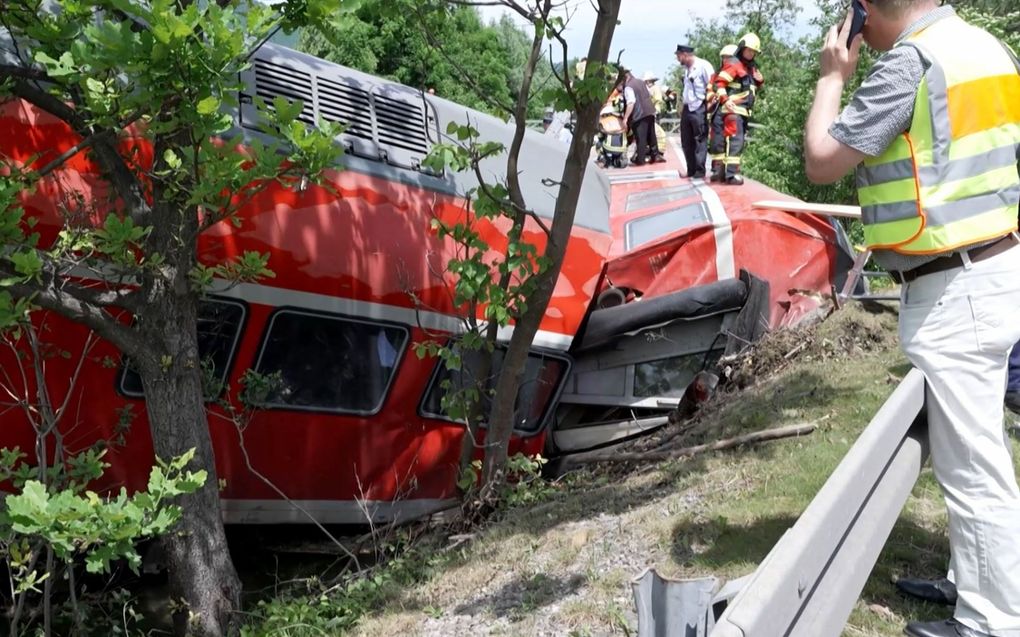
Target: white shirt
(696, 81)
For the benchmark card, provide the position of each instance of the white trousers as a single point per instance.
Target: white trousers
(958, 327)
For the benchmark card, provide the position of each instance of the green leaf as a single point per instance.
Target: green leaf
(208, 105)
(56, 67)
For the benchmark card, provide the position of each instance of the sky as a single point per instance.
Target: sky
(649, 30)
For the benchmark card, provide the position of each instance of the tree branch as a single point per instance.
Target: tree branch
(23, 72)
(50, 297)
(123, 180)
(613, 454)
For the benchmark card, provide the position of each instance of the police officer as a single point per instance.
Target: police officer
(693, 118)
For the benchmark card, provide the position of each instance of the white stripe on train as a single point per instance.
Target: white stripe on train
(428, 320)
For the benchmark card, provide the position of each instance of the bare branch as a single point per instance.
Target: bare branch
(101, 322)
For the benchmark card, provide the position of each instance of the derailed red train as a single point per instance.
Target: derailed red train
(355, 429)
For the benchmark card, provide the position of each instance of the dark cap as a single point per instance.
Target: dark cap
(683, 48)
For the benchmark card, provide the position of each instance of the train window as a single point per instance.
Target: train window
(669, 377)
(659, 196)
(219, 330)
(330, 363)
(543, 376)
(648, 229)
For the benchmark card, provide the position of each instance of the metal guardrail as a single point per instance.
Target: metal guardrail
(810, 581)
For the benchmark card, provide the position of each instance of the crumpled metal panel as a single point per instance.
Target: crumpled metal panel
(674, 607)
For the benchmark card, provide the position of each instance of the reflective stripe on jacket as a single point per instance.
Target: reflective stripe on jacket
(951, 180)
(735, 84)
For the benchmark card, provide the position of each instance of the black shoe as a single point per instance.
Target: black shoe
(636, 162)
(735, 180)
(658, 159)
(700, 175)
(944, 628)
(716, 177)
(937, 591)
(1013, 402)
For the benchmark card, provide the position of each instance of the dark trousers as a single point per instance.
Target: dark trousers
(727, 141)
(644, 137)
(694, 138)
(1013, 384)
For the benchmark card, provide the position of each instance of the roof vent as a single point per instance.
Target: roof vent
(274, 80)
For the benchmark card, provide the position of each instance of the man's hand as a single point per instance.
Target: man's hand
(837, 60)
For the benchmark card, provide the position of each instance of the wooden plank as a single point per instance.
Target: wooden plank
(827, 210)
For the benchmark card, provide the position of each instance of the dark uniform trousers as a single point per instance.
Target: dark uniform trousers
(694, 138)
(728, 131)
(646, 140)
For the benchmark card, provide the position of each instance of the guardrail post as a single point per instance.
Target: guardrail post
(665, 604)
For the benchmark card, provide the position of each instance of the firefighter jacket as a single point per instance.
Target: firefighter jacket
(736, 86)
(950, 180)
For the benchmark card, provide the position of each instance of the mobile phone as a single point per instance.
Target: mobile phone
(860, 16)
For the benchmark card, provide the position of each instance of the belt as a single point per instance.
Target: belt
(955, 260)
(700, 106)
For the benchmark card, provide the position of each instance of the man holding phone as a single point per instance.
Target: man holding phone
(934, 135)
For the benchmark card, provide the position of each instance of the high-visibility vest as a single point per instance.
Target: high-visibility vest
(951, 180)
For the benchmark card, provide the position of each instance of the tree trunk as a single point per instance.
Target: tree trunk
(501, 422)
(202, 575)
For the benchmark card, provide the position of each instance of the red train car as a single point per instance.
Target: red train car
(354, 429)
(696, 270)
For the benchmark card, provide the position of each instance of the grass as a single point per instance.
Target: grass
(565, 566)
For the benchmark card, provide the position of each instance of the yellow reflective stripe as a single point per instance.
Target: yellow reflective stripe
(888, 192)
(898, 149)
(983, 227)
(995, 180)
(723, 75)
(891, 233)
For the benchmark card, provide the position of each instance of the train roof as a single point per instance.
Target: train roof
(391, 128)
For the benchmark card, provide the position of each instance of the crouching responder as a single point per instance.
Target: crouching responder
(736, 87)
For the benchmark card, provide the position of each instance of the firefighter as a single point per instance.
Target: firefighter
(727, 55)
(736, 87)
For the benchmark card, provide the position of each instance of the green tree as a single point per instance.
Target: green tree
(517, 286)
(448, 49)
(164, 76)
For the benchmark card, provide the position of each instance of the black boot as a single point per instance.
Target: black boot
(944, 628)
(718, 173)
(735, 180)
(1013, 402)
(937, 591)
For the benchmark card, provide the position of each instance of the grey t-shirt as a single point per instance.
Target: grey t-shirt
(882, 109)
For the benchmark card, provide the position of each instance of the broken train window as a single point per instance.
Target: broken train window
(541, 383)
